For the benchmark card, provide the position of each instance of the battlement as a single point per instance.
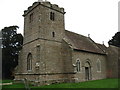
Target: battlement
(45, 4)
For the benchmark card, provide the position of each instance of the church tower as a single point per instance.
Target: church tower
(40, 57)
(43, 20)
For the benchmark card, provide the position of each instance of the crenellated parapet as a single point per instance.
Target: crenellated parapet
(45, 4)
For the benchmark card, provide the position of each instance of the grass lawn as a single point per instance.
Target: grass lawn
(7, 81)
(18, 85)
(105, 83)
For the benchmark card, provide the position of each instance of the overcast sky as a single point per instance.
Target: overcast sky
(99, 18)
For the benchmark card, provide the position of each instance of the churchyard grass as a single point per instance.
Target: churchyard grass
(105, 83)
(7, 81)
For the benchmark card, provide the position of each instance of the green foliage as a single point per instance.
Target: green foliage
(11, 45)
(115, 41)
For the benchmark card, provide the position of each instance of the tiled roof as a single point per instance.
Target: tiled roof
(102, 47)
(80, 42)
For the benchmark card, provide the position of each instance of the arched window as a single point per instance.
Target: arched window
(98, 65)
(31, 17)
(29, 61)
(78, 66)
(52, 16)
(53, 34)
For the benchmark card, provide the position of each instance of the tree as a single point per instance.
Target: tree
(11, 45)
(115, 41)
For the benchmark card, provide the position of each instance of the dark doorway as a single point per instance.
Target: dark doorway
(87, 73)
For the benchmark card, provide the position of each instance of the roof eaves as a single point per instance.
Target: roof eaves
(88, 51)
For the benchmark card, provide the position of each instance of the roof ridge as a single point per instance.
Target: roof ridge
(100, 47)
(82, 42)
(97, 44)
(76, 33)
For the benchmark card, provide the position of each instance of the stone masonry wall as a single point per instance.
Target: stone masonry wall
(112, 62)
(92, 58)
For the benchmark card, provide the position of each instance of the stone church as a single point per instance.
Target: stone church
(51, 54)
